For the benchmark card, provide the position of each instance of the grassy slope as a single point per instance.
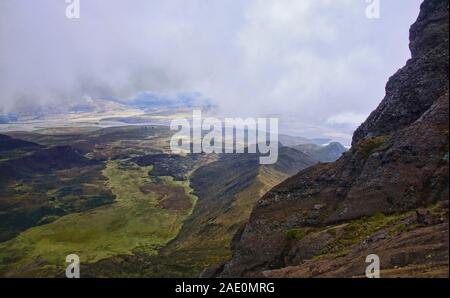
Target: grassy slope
(133, 223)
(208, 244)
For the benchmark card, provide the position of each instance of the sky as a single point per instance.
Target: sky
(319, 65)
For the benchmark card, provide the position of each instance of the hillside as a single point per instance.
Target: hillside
(40, 184)
(51, 196)
(158, 214)
(388, 195)
(227, 188)
(327, 153)
(7, 143)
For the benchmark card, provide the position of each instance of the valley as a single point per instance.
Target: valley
(119, 199)
(295, 139)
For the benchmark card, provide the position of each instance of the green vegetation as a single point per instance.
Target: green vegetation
(400, 228)
(135, 222)
(22, 188)
(205, 239)
(296, 234)
(359, 230)
(367, 146)
(129, 210)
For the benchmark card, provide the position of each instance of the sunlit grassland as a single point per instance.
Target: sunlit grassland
(134, 222)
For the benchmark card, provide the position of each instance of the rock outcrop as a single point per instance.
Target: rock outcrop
(326, 219)
(415, 87)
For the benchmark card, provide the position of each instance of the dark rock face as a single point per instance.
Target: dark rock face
(417, 253)
(413, 89)
(398, 163)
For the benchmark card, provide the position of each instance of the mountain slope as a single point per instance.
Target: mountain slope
(392, 185)
(7, 143)
(328, 153)
(50, 159)
(56, 191)
(227, 189)
(41, 185)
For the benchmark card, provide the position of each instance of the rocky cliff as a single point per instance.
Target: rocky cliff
(388, 195)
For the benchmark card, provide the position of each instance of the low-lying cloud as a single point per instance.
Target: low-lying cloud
(321, 61)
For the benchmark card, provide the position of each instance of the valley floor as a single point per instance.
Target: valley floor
(148, 212)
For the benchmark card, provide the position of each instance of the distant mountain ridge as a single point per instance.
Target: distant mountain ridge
(328, 153)
(152, 100)
(321, 150)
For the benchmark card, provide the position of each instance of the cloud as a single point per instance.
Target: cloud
(312, 59)
(347, 118)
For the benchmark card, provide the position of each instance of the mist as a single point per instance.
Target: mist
(319, 65)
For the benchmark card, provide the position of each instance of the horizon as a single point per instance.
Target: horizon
(319, 66)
